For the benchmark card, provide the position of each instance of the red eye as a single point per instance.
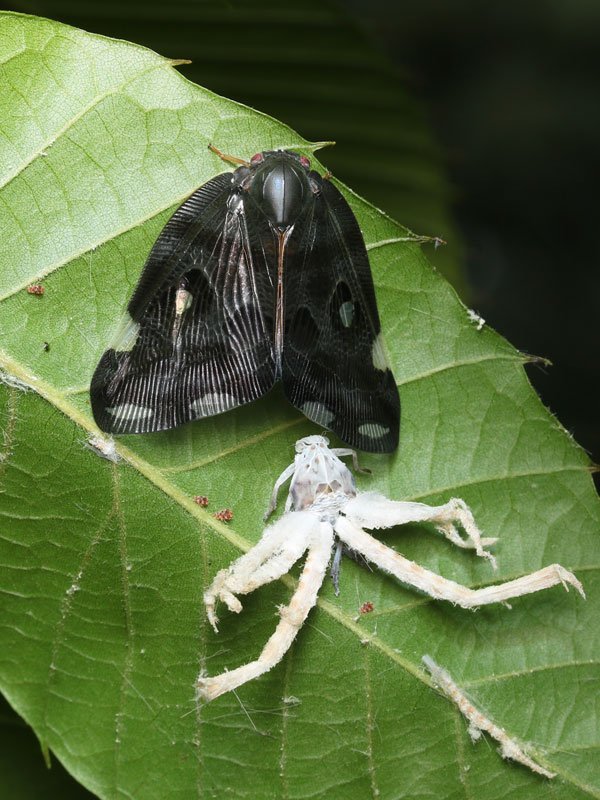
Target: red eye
(257, 158)
(305, 162)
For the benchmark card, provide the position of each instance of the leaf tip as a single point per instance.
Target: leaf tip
(539, 361)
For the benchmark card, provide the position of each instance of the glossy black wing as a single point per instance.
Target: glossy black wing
(334, 366)
(197, 338)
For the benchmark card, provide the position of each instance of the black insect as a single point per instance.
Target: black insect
(261, 275)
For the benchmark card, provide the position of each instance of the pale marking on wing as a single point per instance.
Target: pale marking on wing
(318, 413)
(373, 430)
(346, 312)
(183, 300)
(213, 403)
(130, 412)
(378, 355)
(468, 362)
(126, 337)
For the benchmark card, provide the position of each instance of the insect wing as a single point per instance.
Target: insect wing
(334, 367)
(195, 341)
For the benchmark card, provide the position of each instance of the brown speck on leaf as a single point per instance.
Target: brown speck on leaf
(201, 500)
(224, 515)
(36, 288)
(366, 608)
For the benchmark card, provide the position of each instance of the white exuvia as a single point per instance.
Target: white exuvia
(322, 508)
(479, 722)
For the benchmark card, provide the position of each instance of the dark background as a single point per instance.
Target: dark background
(512, 91)
(476, 121)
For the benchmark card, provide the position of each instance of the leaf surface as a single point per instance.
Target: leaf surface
(102, 565)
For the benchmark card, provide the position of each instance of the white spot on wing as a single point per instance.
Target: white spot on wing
(126, 336)
(347, 313)
(378, 355)
(183, 300)
(373, 430)
(130, 412)
(210, 404)
(318, 413)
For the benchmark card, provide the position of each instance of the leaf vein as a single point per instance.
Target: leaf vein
(129, 630)
(65, 609)
(370, 724)
(75, 119)
(461, 756)
(488, 679)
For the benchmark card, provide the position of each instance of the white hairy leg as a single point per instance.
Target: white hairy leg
(280, 546)
(441, 588)
(371, 510)
(285, 476)
(292, 618)
(509, 748)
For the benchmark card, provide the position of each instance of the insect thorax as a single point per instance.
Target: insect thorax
(279, 185)
(320, 479)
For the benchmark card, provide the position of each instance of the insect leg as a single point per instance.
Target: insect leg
(292, 618)
(285, 476)
(441, 588)
(342, 452)
(335, 567)
(478, 722)
(226, 157)
(370, 510)
(280, 546)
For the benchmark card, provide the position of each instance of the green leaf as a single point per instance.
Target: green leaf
(103, 565)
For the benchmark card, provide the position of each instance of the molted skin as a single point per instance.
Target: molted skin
(320, 480)
(324, 513)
